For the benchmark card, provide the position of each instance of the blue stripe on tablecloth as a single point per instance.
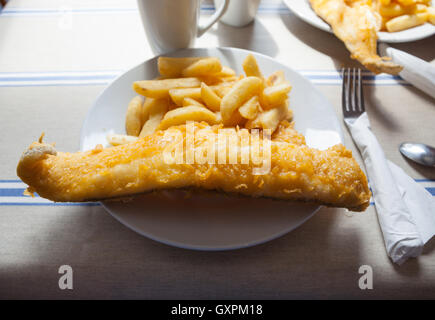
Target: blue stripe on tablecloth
(19, 199)
(65, 9)
(93, 83)
(113, 71)
(365, 77)
(17, 77)
(54, 78)
(10, 11)
(80, 78)
(11, 192)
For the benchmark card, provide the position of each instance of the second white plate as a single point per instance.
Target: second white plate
(211, 221)
(303, 10)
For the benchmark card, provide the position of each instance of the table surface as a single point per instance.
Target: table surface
(57, 56)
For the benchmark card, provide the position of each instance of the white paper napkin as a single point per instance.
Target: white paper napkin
(406, 210)
(417, 72)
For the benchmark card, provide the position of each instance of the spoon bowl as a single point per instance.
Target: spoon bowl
(419, 152)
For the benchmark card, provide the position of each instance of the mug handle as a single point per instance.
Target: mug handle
(211, 21)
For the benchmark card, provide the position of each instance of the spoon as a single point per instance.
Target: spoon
(419, 152)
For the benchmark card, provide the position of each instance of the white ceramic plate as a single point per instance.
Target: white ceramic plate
(211, 221)
(303, 10)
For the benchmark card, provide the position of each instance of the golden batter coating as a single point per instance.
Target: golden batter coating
(356, 23)
(297, 172)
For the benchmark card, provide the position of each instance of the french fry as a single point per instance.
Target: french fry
(216, 79)
(160, 88)
(133, 118)
(178, 95)
(226, 72)
(192, 102)
(153, 105)
(269, 119)
(210, 80)
(421, 8)
(119, 139)
(157, 110)
(230, 79)
(203, 67)
(406, 21)
(218, 117)
(251, 68)
(239, 94)
(146, 109)
(151, 125)
(211, 99)
(173, 67)
(201, 89)
(275, 78)
(407, 2)
(182, 115)
(158, 107)
(236, 119)
(249, 110)
(392, 10)
(172, 106)
(223, 88)
(275, 95)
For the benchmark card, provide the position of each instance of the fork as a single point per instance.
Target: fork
(396, 219)
(352, 95)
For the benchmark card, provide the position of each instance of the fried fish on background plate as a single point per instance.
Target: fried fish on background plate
(331, 177)
(356, 23)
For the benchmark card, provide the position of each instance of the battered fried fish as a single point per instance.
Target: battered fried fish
(356, 24)
(297, 172)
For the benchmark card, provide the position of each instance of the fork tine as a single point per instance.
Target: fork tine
(349, 84)
(345, 90)
(354, 105)
(361, 106)
(352, 94)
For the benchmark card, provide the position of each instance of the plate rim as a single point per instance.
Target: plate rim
(387, 37)
(211, 249)
(176, 244)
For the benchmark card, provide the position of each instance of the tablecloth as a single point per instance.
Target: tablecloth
(57, 56)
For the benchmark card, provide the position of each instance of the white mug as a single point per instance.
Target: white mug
(173, 24)
(239, 12)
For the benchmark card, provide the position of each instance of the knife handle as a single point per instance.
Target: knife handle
(419, 73)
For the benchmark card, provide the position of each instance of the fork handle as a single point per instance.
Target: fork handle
(401, 235)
